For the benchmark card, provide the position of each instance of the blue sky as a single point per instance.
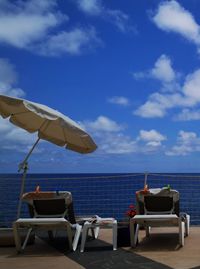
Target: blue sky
(127, 71)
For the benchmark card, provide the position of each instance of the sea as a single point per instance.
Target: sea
(103, 194)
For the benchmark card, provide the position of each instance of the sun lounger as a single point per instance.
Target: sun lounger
(51, 211)
(148, 221)
(159, 208)
(48, 214)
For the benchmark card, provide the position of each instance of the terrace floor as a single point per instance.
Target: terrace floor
(159, 251)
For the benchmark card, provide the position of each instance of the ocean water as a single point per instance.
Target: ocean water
(107, 195)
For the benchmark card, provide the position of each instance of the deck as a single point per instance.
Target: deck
(159, 251)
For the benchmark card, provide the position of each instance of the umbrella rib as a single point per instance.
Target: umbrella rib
(18, 113)
(86, 145)
(43, 120)
(43, 123)
(82, 140)
(64, 136)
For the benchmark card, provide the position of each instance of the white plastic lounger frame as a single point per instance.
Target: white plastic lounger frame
(45, 223)
(186, 218)
(156, 221)
(49, 211)
(161, 208)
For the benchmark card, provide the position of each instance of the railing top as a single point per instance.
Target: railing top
(107, 176)
(89, 177)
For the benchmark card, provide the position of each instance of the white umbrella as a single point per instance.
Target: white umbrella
(50, 125)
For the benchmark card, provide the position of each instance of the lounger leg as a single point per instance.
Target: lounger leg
(133, 233)
(95, 232)
(92, 232)
(97, 229)
(84, 236)
(51, 235)
(26, 239)
(181, 232)
(187, 225)
(115, 235)
(17, 237)
(136, 234)
(69, 235)
(147, 228)
(76, 236)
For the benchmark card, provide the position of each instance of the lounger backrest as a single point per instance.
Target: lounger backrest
(50, 207)
(158, 205)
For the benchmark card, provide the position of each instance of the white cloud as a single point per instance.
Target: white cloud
(91, 7)
(139, 75)
(119, 19)
(118, 144)
(114, 16)
(151, 136)
(187, 115)
(8, 73)
(191, 88)
(152, 139)
(15, 138)
(119, 100)
(33, 25)
(150, 110)
(24, 29)
(23, 23)
(172, 94)
(18, 135)
(158, 104)
(162, 71)
(187, 142)
(154, 144)
(111, 139)
(8, 77)
(172, 17)
(5, 126)
(103, 123)
(73, 42)
(186, 137)
(181, 150)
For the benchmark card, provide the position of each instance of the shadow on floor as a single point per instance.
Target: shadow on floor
(99, 254)
(159, 242)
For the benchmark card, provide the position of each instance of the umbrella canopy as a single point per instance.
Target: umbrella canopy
(49, 124)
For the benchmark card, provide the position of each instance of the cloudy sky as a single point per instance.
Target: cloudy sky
(128, 71)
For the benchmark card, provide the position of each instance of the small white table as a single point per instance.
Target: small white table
(99, 223)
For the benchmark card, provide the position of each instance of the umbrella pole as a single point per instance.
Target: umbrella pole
(24, 166)
(22, 189)
(145, 179)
